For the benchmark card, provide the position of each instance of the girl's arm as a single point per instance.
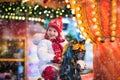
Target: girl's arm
(45, 51)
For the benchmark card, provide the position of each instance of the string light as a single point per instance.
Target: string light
(17, 9)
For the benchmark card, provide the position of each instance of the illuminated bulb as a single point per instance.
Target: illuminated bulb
(47, 14)
(21, 10)
(73, 11)
(23, 1)
(13, 17)
(112, 38)
(113, 33)
(79, 21)
(63, 10)
(49, 11)
(29, 18)
(91, 0)
(93, 5)
(2, 16)
(78, 8)
(88, 40)
(6, 16)
(94, 19)
(40, 12)
(42, 20)
(45, 11)
(36, 19)
(66, 15)
(16, 17)
(82, 28)
(93, 12)
(97, 33)
(73, 2)
(30, 12)
(68, 6)
(114, 10)
(46, 7)
(23, 7)
(25, 10)
(75, 24)
(9, 8)
(8, 13)
(57, 12)
(58, 9)
(13, 9)
(85, 34)
(36, 7)
(6, 9)
(35, 13)
(114, 18)
(51, 16)
(95, 26)
(113, 27)
(60, 13)
(11, 13)
(30, 7)
(114, 4)
(78, 15)
(19, 17)
(52, 10)
(23, 18)
(66, 1)
(10, 17)
(99, 39)
(39, 19)
(73, 18)
(32, 19)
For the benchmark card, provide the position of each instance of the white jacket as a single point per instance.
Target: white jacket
(44, 51)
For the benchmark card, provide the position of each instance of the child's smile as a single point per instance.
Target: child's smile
(52, 33)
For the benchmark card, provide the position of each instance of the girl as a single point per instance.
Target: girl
(50, 49)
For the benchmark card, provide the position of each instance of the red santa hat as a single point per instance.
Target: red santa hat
(57, 24)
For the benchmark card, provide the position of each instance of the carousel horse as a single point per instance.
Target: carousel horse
(70, 68)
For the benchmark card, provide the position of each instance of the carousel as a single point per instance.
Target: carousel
(98, 21)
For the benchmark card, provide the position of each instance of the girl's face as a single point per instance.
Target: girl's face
(52, 33)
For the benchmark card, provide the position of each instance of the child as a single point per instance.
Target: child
(50, 49)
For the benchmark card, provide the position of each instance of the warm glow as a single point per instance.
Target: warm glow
(94, 19)
(82, 29)
(78, 8)
(96, 24)
(78, 15)
(79, 21)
